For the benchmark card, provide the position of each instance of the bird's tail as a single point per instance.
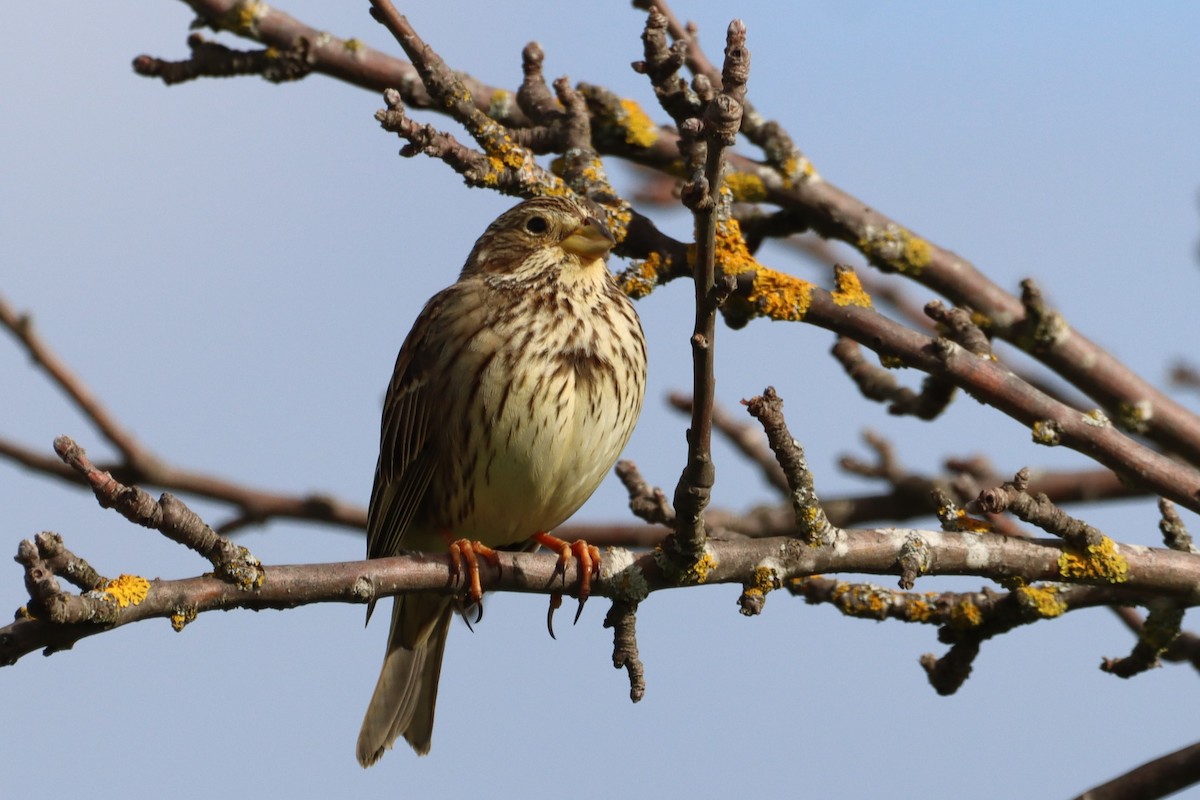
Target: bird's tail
(404, 698)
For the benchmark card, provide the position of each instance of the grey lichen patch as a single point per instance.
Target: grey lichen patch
(619, 569)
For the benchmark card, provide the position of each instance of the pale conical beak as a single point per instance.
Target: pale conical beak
(589, 240)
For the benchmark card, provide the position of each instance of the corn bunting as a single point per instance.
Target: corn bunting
(512, 397)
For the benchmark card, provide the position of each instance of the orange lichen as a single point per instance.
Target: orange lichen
(918, 609)
(780, 296)
(731, 252)
(848, 289)
(641, 277)
(964, 522)
(774, 294)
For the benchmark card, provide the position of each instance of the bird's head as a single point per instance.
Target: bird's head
(543, 233)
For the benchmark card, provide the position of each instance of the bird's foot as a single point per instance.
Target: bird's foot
(466, 552)
(588, 556)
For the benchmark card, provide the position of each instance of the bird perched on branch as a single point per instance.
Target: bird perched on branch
(512, 397)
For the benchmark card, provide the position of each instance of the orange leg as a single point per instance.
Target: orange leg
(588, 556)
(463, 551)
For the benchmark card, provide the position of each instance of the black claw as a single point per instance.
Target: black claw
(555, 604)
(479, 616)
(579, 610)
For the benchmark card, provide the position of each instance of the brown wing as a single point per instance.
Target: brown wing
(406, 458)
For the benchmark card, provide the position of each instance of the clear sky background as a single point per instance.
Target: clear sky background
(232, 266)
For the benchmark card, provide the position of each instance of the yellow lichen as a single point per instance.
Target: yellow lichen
(691, 574)
(890, 362)
(965, 614)
(699, 571)
(182, 617)
(1047, 432)
(797, 169)
(918, 610)
(895, 248)
(504, 150)
(765, 579)
(244, 17)
(618, 219)
(730, 249)
(1101, 563)
(917, 252)
(1045, 600)
(127, 589)
(640, 130)
(861, 600)
(848, 289)
(980, 319)
(354, 45)
(746, 187)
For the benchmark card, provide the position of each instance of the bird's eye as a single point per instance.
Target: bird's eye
(537, 225)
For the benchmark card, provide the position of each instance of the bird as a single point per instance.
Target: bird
(512, 397)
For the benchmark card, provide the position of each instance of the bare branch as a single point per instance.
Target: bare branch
(1158, 778)
(1150, 573)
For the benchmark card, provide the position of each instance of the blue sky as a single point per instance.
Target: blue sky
(232, 265)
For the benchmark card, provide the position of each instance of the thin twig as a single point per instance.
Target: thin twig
(718, 130)
(812, 524)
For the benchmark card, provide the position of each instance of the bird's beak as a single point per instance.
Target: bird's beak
(589, 240)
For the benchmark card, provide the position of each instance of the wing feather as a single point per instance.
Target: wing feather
(407, 457)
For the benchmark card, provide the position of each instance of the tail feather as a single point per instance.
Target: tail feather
(406, 693)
